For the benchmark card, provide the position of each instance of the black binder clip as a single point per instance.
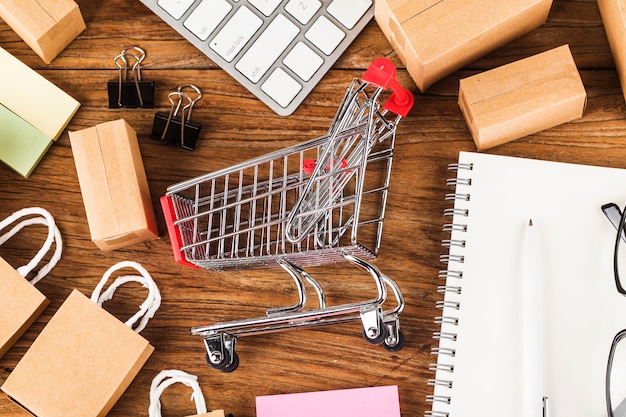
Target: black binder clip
(130, 93)
(176, 128)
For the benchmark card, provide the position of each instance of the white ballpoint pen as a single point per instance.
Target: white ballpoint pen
(534, 403)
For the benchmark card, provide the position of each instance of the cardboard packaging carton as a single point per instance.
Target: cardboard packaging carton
(113, 184)
(33, 114)
(522, 98)
(613, 14)
(434, 38)
(84, 359)
(47, 26)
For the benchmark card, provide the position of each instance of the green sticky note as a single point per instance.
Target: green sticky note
(21, 145)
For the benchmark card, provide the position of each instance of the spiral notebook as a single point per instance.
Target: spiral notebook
(479, 359)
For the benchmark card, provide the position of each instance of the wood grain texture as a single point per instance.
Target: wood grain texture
(236, 126)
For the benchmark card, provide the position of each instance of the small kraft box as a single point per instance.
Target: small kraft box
(613, 14)
(47, 26)
(522, 98)
(113, 185)
(84, 358)
(434, 38)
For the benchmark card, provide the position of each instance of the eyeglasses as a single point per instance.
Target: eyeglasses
(618, 218)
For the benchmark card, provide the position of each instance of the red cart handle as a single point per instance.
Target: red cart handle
(382, 73)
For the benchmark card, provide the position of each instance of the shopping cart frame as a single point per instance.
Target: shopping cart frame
(302, 204)
(380, 327)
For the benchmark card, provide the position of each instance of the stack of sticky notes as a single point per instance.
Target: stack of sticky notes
(379, 401)
(33, 114)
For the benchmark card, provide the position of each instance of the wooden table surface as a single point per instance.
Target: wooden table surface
(236, 127)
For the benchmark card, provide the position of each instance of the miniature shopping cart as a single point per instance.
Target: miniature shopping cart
(305, 204)
(379, 326)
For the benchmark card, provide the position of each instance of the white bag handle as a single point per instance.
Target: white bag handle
(169, 377)
(54, 235)
(147, 308)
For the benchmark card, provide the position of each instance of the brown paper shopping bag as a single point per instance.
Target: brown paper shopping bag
(85, 358)
(20, 302)
(171, 376)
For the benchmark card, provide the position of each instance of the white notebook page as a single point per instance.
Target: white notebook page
(581, 309)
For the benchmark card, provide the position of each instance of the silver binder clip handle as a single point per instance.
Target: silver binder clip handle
(123, 75)
(139, 55)
(192, 101)
(177, 109)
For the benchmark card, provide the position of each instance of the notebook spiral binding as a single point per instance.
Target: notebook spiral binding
(445, 354)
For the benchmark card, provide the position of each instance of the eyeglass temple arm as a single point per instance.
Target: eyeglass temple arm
(614, 214)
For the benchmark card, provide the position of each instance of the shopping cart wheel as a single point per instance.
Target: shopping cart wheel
(234, 363)
(396, 346)
(225, 364)
(378, 339)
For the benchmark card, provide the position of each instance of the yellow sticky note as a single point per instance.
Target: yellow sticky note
(33, 98)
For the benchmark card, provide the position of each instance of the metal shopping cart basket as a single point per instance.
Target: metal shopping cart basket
(305, 204)
(379, 326)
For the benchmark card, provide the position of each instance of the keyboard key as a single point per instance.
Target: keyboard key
(348, 12)
(175, 8)
(303, 10)
(325, 35)
(236, 33)
(206, 17)
(281, 87)
(267, 48)
(303, 61)
(230, 32)
(265, 6)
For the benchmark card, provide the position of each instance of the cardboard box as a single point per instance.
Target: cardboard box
(522, 98)
(80, 364)
(20, 305)
(47, 26)
(434, 38)
(113, 184)
(613, 14)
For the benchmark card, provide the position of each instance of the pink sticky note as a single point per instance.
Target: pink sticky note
(356, 402)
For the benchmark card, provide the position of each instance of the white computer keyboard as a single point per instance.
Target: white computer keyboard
(278, 49)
